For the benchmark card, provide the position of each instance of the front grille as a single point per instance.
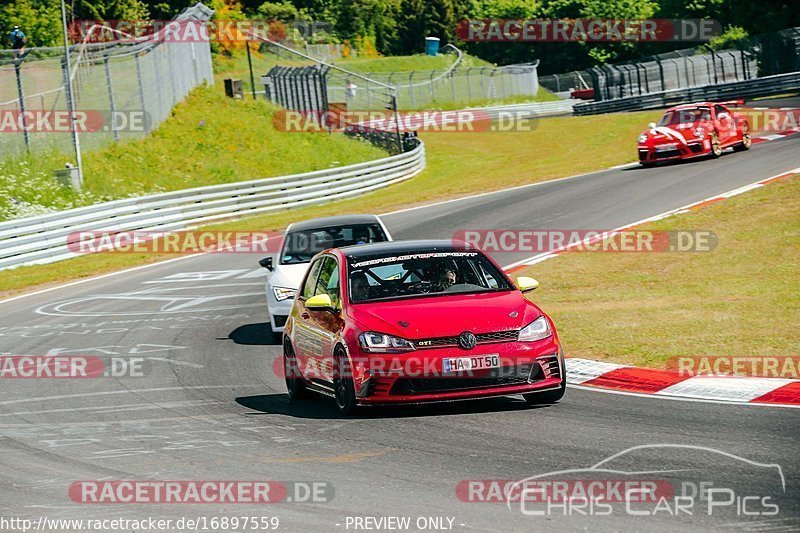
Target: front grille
(696, 148)
(481, 338)
(497, 377)
(668, 153)
(279, 320)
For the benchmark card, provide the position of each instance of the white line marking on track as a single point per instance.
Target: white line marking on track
(680, 399)
(126, 391)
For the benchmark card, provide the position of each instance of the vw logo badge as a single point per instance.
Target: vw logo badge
(467, 340)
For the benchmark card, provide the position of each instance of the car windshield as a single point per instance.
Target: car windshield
(301, 246)
(685, 116)
(422, 274)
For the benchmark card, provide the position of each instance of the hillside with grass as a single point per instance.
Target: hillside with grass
(209, 139)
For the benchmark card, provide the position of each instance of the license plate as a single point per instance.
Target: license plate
(666, 147)
(479, 362)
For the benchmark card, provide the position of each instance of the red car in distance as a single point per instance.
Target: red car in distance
(693, 130)
(418, 321)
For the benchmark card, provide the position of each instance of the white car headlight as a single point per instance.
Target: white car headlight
(380, 343)
(642, 138)
(535, 331)
(283, 293)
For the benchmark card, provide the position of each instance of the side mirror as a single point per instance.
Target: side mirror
(526, 284)
(320, 302)
(652, 125)
(266, 263)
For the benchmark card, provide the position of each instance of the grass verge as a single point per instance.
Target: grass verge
(458, 164)
(741, 299)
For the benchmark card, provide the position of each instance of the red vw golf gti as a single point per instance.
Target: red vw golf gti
(418, 321)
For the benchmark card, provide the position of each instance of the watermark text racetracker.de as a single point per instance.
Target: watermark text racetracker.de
(80, 121)
(200, 492)
(71, 366)
(587, 30)
(550, 240)
(355, 120)
(765, 366)
(185, 242)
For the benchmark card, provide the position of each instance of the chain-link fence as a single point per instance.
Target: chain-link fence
(763, 55)
(674, 70)
(418, 89)
(131, 85)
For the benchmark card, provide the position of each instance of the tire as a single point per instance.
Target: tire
(646, 164)
(295, 386)
(716, 146)
(344, 388)
(746, 143)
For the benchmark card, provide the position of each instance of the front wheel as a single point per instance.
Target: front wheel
(295, 386)
(344, 388)
(545, 398)
(746, 143)
(716, 146)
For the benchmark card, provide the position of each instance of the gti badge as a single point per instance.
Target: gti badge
(467, 340)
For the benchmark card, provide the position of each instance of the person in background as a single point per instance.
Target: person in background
(17, 41)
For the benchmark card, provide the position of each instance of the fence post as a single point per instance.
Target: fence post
(250, 66)
(660, 73)
(411, 88)
(141, 86)
(111, 102)
(171, 75)
(157, 83)
(469, 86)
(21, 94)
(430, 83)
(453, 85)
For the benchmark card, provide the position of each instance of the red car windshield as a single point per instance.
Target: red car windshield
(685, 116)
(422, 274)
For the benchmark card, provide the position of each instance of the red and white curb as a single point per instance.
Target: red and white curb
(774, 136)
(671, 384)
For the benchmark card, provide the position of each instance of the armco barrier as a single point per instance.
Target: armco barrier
(765, 86)
(43, 239)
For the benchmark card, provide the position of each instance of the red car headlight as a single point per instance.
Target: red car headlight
(535, 331)
(380, 343)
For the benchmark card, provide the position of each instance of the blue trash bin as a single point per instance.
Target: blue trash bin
(431, 46)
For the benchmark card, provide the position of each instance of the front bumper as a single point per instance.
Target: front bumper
(652, 153)
(418, 376)
(278, 312)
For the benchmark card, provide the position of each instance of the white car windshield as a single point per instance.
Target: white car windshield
(301, 246)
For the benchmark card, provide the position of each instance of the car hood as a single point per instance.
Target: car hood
(444, 316)
(289, 276)
(676, 133)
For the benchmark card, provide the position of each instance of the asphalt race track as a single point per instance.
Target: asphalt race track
(210, 406)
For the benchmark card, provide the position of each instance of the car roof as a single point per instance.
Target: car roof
(329, 222)
(404, 247)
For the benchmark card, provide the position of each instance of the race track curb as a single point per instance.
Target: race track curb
(671, 384)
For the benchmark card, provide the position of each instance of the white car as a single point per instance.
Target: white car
(302, 241)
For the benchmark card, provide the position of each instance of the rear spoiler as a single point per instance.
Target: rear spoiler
(733, 103)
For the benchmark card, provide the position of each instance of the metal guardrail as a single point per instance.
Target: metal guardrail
(533, 109)
(765, 86)
(43, 239)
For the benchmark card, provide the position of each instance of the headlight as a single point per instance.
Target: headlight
(642, 138)
(380, 343)
(699, 131)
(283, 293)
(535, 331)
